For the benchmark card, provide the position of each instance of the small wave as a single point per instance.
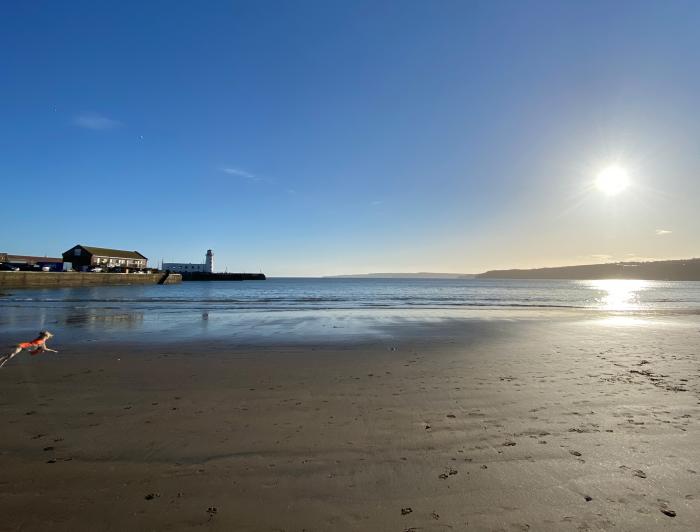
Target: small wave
(340, 295)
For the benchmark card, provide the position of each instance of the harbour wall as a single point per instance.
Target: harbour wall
(203, 276)
(69, 279)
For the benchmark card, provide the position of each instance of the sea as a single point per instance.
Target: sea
(300, 309)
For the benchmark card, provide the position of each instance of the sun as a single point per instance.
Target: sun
(612, 180)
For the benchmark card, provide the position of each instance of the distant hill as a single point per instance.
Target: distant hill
(418, 275)
(662, 270)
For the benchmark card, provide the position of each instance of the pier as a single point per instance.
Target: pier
(205, 276)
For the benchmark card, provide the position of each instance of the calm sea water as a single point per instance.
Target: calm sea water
(319, 294)
(306, 306)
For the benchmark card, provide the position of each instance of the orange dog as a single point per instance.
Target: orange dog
(36, 346)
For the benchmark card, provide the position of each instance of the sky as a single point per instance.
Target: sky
(307, 138)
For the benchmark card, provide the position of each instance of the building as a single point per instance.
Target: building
(85, 257)
(188, 267)
(54, 263)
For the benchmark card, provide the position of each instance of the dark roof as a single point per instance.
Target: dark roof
(11, 257)
(107, 252)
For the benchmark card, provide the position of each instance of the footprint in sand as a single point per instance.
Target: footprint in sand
(450, 472)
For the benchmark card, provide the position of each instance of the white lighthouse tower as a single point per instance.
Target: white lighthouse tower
(209, 262)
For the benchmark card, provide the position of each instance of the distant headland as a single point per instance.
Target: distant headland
(418, 275)
(661, 270)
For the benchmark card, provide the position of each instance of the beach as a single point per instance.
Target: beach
(350, 266)
(574, 421)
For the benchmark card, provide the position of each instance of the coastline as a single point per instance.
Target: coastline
(481, 424)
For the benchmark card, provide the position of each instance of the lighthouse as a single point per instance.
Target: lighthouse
(209, 262)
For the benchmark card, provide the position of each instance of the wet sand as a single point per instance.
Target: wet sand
(479, 425)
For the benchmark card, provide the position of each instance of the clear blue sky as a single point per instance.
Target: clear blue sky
(329, 137)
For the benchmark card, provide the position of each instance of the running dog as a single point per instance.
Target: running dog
(35, 347)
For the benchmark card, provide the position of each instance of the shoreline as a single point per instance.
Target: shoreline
(269, 329)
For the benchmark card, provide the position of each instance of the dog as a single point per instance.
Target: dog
(35, 347)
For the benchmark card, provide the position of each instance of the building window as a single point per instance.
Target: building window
(76, 252)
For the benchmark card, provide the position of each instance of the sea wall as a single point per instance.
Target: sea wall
(66, 279)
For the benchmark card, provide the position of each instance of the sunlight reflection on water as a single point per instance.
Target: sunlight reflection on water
(619, 294)
(321, 308)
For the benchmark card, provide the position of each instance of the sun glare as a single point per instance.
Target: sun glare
(612, 180)
(619, 294)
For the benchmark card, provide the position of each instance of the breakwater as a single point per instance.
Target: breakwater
(68, 279)
(201, 276)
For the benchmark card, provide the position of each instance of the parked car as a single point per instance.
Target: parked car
(5, 267)
(46, 268)
(96, 269)
(29, 268)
